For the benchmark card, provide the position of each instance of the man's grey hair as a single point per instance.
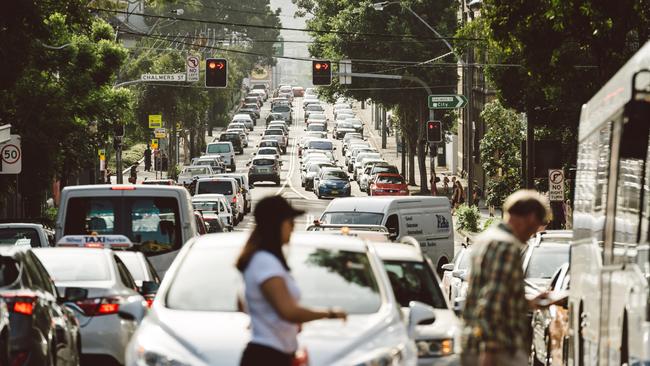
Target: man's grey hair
(527, 201)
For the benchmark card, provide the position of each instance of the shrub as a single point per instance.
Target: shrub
(133, 154)
(468, 218)
(490, 222)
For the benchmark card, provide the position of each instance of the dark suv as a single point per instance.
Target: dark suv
(43, 330)
(264, 168)
(235, 139)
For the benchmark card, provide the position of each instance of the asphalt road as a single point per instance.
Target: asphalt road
(290, 175)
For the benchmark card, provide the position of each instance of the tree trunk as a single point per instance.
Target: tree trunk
(411, 150)
(422, 150)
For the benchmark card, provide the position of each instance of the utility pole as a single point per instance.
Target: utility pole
(384, 128)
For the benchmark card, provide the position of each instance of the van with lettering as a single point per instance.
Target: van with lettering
(427, 219)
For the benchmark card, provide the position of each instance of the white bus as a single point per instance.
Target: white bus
(609, 299)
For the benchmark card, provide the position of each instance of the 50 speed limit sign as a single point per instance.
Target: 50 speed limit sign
(11, 156)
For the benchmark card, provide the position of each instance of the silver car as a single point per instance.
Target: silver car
(189, 325)
(110, 314)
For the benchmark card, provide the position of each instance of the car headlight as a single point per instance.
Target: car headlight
(392, 357)
(435, 347)
(153, 346)
(151, 358)
(346, 186)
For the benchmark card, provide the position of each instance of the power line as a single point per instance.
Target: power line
(233, 24)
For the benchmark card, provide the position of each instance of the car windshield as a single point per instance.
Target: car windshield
(209, 206)
(317, 116)
(215, 186)
(19, 236)
(545, 260)
(352, 218)
(414, 281)
(273, 132)
(269, 143)
(263, 162)
(321, 145)
(267, 151)
(75, 265)
(390, 180)
(385, 169)
(316, 127)
(218, 148)
(9, 271)
(335, 174)
(325, 277)
(195, 171)
(281, 108)
(134, 265)
(314, 107)
(465, 260)
(152, 222)
(344, 125)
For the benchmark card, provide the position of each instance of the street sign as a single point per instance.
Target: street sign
(192, 68)
(155, 121)
(556, 185)
(449, 101)
(154, 144)
(5, 133)
(102, 154)
(11, 156)
(162, 77)
(345, 69)
(160, 133)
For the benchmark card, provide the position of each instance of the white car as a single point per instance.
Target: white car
(225, 150)
(454, 279)
(244, 119)
(34, 235)
(367, 162)
(227, 186)
(111, 313)
(189, 173)
(364, 179)
(413, 279)
(189, 325)
(214, 206)
(360, 158)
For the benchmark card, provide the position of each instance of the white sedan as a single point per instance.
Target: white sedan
(189, 325)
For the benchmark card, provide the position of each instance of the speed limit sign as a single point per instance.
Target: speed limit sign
(11, 156)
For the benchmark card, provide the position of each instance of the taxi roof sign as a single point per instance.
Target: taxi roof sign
(95, 241)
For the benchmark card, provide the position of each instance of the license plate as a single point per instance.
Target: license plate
(335, 192)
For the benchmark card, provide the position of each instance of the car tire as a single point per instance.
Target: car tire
(277, 182)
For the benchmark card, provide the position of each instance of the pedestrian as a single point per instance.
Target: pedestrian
(133, 174)
(271, 294)
(147, 159)
(445, 184)
(496, 327)
(164, 161)
(458, 198)
(477, 195)
(434, 184)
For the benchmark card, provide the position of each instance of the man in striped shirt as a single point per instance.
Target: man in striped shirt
(496, 325)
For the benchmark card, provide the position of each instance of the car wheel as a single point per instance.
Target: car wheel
(277, 182)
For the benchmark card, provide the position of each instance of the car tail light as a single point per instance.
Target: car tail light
(123, 188)
(20, 303)
(99, 306)
(234, 199)
(149, 299)
(300, 358)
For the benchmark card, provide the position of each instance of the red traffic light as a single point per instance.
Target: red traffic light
(317, 66)
(215, 65)
(434, 131)
(321, 72)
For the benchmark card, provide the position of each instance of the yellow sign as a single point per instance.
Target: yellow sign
(155, 121)
(102, 154)
(160, 133)
(154, 144)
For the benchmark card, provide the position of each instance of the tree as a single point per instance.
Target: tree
(500, 154)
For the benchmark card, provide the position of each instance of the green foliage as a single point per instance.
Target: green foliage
(133, 154)
(50, 216)
(500, 154)
(491, 221)
(467, 218)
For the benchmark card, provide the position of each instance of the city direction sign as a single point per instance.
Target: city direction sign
(163, 77)
(448, 101)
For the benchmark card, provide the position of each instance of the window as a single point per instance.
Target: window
(216, 186)
(335, 175)
(75, 265)
(414, 281)
(125, 276)
(274, 132)
(360, 218)
(389, 179)
(45, 276)
(218, 148)
(263, 162)
(19, 236)
(209, 206)
(546, 260)
(9, 271)
(32, 270)
(392, 224)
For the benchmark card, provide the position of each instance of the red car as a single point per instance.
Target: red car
(389, 184)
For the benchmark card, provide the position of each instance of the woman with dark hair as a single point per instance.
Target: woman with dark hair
(271, 292)
(458, 198)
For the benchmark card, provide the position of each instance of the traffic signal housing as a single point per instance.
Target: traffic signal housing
(321, 72)
(216, 73)
(434, 131)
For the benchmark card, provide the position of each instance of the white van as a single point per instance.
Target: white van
(157, 219)
(227, 186)
(225, 150)
(427, 219)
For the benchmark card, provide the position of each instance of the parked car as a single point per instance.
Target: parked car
(332, 183)
(36, 328)
(413, 278)
(455, 276)
(387, 184)
(330, 271)
(227, 186)
(264, 168)
(545, 253)
(113, 308)
(245, 186)
(34, 235)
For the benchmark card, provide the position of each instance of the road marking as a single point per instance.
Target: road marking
(292, 167)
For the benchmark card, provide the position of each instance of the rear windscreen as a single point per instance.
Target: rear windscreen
(19, 236)
(152, 222)
(75, 265)
(8, 271)
(273, 132)
(223, 187)
(218, 148)
(263, 162)
(281, 108)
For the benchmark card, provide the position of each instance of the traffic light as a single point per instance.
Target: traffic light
(216, 73)
(321, 72)
(434, 131)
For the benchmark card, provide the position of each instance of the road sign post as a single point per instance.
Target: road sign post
(155, 121)
(11, 156)
(154, 144)
(450, 101)
(192, 68)
(160, 133)
(556, 185)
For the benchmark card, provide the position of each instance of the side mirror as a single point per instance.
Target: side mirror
(133, 311)
(248, 163)
(460, 274)
(459, 304)
(251, 186)
(447, 267)
(73, 294)
(419, 313)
